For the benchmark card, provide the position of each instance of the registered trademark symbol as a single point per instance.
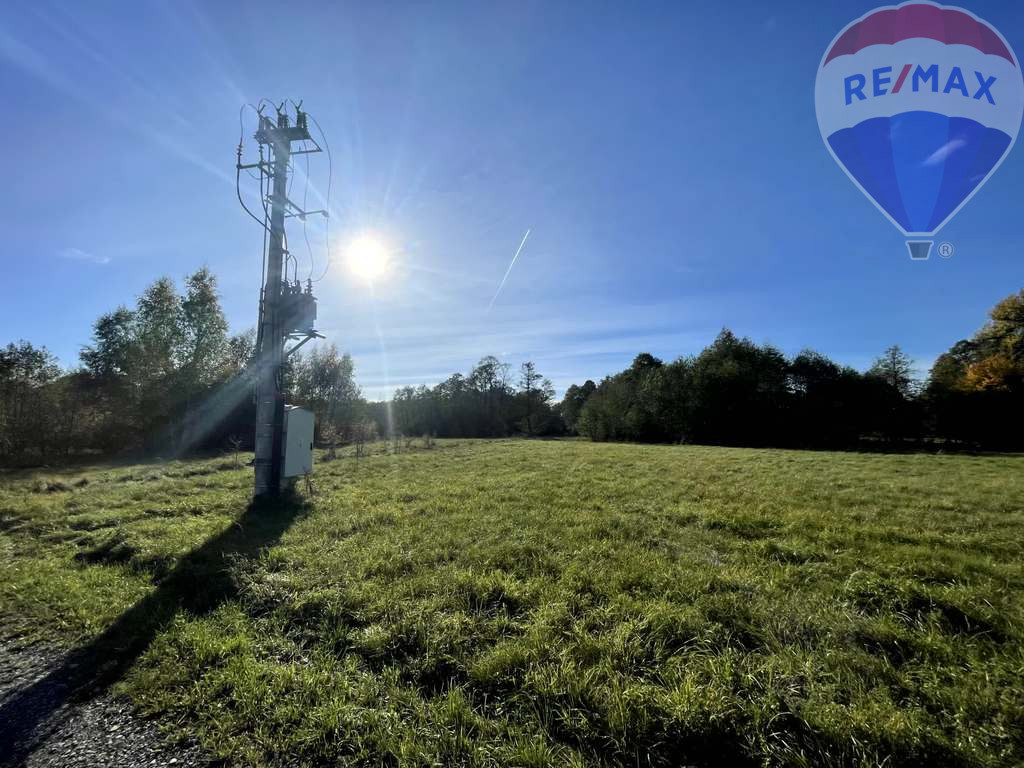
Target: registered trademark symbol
(945, 250)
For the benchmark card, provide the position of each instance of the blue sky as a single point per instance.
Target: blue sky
(665, 158)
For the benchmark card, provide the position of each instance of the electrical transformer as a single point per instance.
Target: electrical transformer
(298, 307)
(298, 442)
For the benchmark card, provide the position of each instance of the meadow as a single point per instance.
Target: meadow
(534, 603)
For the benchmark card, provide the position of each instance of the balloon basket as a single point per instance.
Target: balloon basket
(919, 249)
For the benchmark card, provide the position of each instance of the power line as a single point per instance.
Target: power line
(330, 180)
(305, 231)
(263, 203)
(241, 135)
(238, 171)
(238, 192)
(263, 224)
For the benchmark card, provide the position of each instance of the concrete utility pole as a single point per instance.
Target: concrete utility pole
(275, 326)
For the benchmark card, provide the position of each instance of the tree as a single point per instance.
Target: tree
(324, 381)
(995, 373)
(572, 404)
(241, 349)
(151, 370)
(536, 393)
(993, 360)
(896, 369)
(603, 416)
(159, 331)
(733, 392)
(975, 391)
(159, 337)
(997, 360)
(1004, 333)
(25, 373)
(829, 404)
(645, 417)
(73, 422)
(112, 354)
(949, 368)
(894, 404)
(810, 370)
(111, 364)
(480, 404)
(643, 363)
(740, 390)
(452, 395)
(204, 333)
(489, 380)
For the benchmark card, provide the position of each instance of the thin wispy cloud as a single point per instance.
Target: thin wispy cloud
(35, 63)
(77, 254)
(947, 149)
(508, 271)
(429, 347)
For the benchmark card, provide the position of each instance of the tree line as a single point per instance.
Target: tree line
(490, 401)
(163, 377)
(166, 377)
(736, 392)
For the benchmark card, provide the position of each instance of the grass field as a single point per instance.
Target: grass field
(545, 603)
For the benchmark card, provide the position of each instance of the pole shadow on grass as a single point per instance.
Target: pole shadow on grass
(198, 584)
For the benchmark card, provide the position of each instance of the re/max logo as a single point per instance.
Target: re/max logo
(881, 77)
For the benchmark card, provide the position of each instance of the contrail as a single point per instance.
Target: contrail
(507, 271)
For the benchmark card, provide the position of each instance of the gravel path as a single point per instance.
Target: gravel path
(100, 731)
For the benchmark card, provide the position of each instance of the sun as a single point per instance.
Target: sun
(368, 258)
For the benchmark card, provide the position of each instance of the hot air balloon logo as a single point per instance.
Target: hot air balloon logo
(919, 104)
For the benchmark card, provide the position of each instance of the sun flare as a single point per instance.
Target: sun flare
(367, 258)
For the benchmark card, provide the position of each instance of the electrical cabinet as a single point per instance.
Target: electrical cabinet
(298, 442)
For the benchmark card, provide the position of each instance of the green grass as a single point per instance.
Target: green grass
(548, 603)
